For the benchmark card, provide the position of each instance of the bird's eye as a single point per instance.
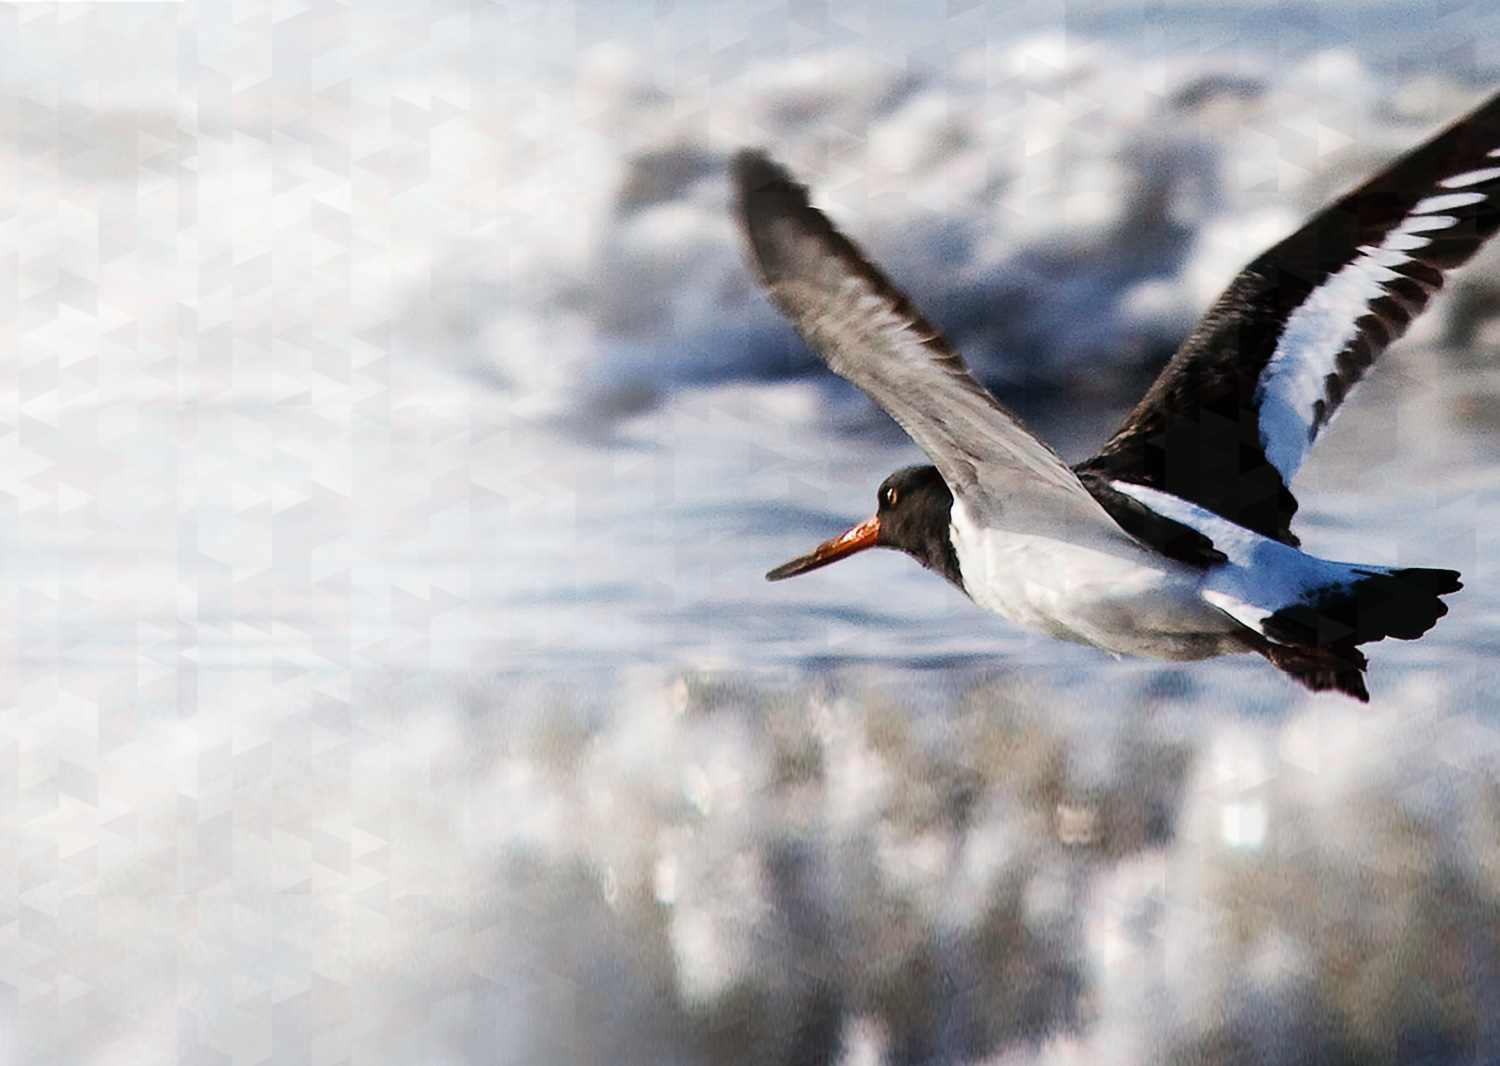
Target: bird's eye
(889, 495)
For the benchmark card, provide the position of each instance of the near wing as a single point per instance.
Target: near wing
(1232, 416)
(868, 332)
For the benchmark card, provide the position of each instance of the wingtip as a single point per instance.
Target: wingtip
(765, 188)
(767, 195)
(753, 170)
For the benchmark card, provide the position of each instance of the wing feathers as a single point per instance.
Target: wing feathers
(1229, 421)
(1233, 415)
(869, 333)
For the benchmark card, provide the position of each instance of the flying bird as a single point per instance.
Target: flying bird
(1175, 540)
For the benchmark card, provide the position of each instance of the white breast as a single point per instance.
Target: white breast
(1106, 591)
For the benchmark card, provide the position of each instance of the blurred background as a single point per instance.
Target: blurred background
(393, 442)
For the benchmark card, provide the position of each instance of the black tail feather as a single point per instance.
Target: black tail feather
(1323, 669)
(1384, 603)
(1314, 641)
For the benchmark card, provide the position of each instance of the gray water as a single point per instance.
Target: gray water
(394, 443)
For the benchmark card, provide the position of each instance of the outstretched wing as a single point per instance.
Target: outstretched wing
(1237, 408)
(868, 332)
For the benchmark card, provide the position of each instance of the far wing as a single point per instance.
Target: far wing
(1233, 415)
(868, 332)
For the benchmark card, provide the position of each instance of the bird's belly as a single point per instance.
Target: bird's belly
(1111, 595)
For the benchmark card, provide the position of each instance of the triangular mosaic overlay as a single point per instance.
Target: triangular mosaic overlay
(392, 441)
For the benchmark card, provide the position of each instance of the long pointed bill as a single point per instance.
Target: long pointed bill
(857, 539)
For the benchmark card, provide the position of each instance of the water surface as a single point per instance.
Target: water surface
(394, 444)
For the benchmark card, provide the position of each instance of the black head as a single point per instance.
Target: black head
(912, 515)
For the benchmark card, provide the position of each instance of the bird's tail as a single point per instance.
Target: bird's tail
(1314, 638)
(1377, 603)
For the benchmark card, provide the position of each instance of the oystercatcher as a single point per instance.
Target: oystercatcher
(1175, 540)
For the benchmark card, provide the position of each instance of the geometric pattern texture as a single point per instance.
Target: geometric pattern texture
(391, 444)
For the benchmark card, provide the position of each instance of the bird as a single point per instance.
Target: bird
(1174, 541)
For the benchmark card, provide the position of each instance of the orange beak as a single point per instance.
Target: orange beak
(857, 539)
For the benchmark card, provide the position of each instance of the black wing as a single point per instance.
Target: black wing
(1232, 416)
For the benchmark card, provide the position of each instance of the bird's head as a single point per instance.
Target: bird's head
(911, 515)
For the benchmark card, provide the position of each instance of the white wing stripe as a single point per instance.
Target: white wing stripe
(1406, 242)
(1293, 381)
(1328, 320)
(1423, 223)
(1473, 177)
(1378, 261)
(1261, 575)
(1447, 201)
